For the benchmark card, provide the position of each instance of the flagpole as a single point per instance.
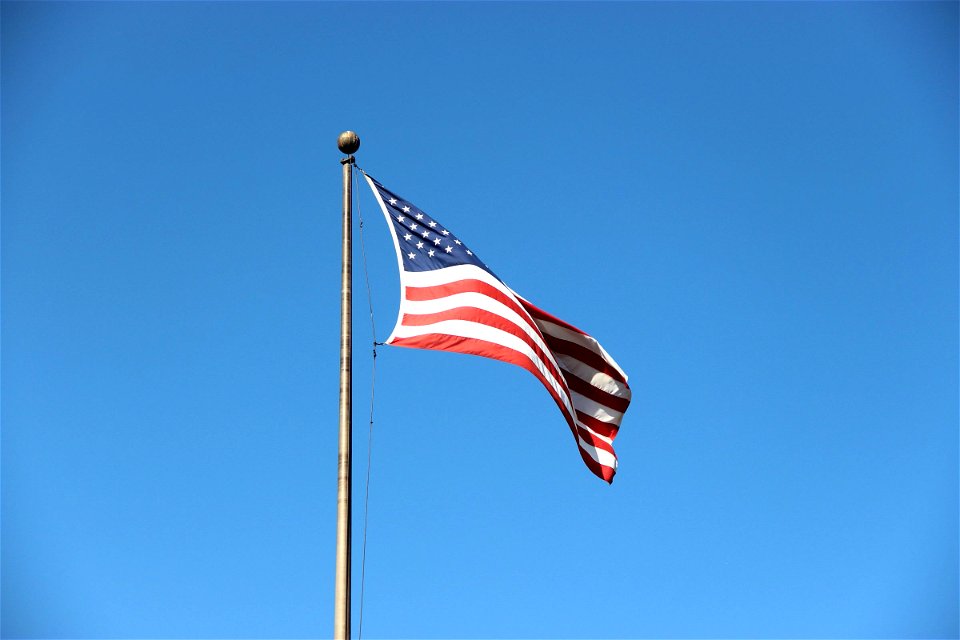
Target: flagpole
(348, 143)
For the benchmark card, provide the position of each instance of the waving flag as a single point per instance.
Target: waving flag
(451, 301)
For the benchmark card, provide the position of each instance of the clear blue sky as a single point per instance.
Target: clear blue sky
(753, 206)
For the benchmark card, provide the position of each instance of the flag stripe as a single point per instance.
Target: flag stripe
(584, 355)
(596, 394)
(594, 409)
(595, 441)
(606, 429)
(540, 314)
(572, 334)
(593, 377)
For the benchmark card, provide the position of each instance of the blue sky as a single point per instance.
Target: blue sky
(753, 206)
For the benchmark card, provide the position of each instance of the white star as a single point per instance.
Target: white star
(393, 201)
(469, 253)
(406, 209)
(411, 256)
(433, 224)
(408, 236)
(419, 216)
(430, 253)
(445, 232)
(457, 241)
(400, 219)
(425, 234)
(419, 245)
(436, 241)
(413, 227)
(448, 249)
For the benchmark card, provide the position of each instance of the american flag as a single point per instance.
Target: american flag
(451, 301)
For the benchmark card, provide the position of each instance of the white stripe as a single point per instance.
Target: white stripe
(467, 329)
(595, 434)
(455, 273)
(476, 301)
(588, 374)
(588, 342)
(595, 409)
(601, 456)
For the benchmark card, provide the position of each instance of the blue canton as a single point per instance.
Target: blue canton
(424, 243)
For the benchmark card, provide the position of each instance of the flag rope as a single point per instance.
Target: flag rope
(373, 386)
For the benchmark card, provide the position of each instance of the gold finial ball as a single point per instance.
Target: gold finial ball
(348, 142)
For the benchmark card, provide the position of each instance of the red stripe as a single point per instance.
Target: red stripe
(537, 312)
(435, 292)
(559, 346)
(606, 429)
(603, 472)
(596, 394)
(596, 442)
(474, 346)
(481, 316)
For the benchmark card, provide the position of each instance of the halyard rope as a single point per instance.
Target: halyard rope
(373, 384)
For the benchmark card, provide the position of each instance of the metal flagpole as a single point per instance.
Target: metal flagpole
(348, 142)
